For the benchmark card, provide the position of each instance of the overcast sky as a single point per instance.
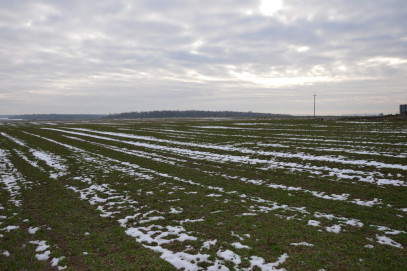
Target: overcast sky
(242, 55)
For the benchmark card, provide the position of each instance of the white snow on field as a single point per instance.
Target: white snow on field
(239, 245)
(321, 140)
(41, 247)
(323, 195)
(55, 262)
(221, 127)
(19, 142)
(276, 145)
(45, 255)
(109, 203)
(152, 218)
(346, 222)
(5, 253)
(251, 124)
(314, 223)
(51, 160)
(218, 266)
(11, 184)
(125, 167)
(384, 240)
(181, 260)
(343, 220)
(159, 235)
(334, 228)
(353, 151)
(10, 178)
(56, 142)
(153, 234)
(367, 203)
(33, 230)
(218, 189)
(229, 256)
(25, 158)
(228, 148)
(244, 159)
(302, 244)
(214, 195)
(209, 243)
(175, 210)
(10, 228)
(191, 220)
(112, 203)
(260, 262)
(387, 230)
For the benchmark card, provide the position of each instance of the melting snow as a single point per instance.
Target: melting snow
(104, 197)
(10, 228)
(55, 261)
(6, 253)
(384, 240)
(33, 230)
(230, 256)
(334, 228)
(302, 244)
(209, 243)
(260, 262)
(314, 223)
(239, 245)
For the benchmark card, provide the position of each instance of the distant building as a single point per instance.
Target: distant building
(403, 109)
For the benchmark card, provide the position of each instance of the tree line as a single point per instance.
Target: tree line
(55, 117)
(190, 114)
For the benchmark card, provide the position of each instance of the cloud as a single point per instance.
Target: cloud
(217, 55)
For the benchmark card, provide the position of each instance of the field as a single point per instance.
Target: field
(203, 195)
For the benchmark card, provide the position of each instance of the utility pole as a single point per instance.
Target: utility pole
(315, 95)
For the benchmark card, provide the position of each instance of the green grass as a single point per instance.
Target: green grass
(185, 184)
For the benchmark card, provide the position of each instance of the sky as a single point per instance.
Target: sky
(100, 57)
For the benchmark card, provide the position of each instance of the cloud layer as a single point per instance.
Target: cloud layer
(263, 56)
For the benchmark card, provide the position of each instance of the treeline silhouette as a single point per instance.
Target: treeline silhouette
(56, 117)
(190, 114)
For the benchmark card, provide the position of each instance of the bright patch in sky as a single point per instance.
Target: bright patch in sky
(270, 7)
(279, 81)
(302, 49)
(195, 46)
(388, 60)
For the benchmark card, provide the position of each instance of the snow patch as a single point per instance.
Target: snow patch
(314, 223)
(5, 253)
(384, 240)
(33, 230)
(260, 262)
(230, 256)
(239, 245)
(334, 228)
(302, 244)
(10, 228)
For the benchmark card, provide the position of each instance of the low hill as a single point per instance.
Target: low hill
(54, 117)
(191, 114)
